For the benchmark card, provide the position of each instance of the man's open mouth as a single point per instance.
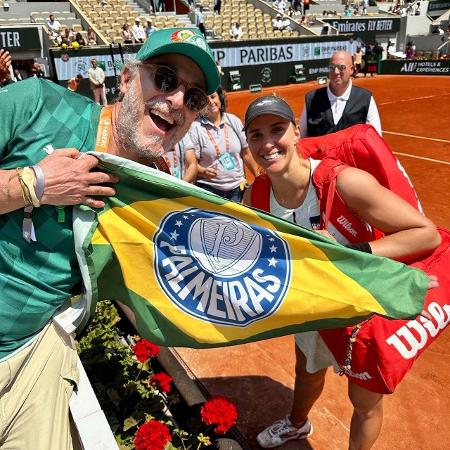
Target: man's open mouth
(162, 123)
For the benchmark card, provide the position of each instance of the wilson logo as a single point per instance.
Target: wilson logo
(414, 335)
(347, 225)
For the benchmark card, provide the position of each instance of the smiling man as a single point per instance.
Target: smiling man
(339, 105)
(161, 93)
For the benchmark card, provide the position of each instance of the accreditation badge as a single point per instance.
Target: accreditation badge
(228, 161)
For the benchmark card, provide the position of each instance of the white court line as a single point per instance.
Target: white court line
(417, 137)
(411, 99)
(422, 157)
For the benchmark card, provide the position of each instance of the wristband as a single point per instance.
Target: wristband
(27, 199)
(360, 246)
(29, 179)
(40, 181)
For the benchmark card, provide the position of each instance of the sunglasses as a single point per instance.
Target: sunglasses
(340, 67)
(166, 80)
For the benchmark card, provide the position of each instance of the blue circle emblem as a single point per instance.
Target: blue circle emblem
(220, 269)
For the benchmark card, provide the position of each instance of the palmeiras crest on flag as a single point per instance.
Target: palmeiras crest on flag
(220, 269)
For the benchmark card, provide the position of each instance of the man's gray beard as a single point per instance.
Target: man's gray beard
(131, 114)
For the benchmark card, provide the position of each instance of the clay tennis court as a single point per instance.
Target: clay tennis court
(259, 377)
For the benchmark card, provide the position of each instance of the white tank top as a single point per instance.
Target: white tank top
(308, 213)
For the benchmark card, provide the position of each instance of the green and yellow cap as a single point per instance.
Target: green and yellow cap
(184, 41)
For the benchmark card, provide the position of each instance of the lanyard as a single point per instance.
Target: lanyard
(104, 130)
(214, 142)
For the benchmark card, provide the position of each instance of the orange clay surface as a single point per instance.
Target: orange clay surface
(259, 377)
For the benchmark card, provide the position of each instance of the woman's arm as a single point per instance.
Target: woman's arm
(190, 164)
(409, 233)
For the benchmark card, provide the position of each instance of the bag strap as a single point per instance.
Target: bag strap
(324, 180)
(260, 194)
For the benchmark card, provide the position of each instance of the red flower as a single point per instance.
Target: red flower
(152, 435)
(144, 350)
(220, 411)
(162, 381)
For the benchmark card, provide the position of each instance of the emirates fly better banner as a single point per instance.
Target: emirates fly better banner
(200, 271)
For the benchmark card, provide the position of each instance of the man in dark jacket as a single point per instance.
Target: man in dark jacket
(340, 104)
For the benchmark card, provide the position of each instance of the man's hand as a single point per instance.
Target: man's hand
(5, 62)
(69, 180)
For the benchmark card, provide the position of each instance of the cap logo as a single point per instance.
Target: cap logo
(264, 102)
(200, 42)
(181, 35)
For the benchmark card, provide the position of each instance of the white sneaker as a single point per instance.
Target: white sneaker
(282, 431)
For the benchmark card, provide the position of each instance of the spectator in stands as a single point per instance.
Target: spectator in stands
(217, 6)
(286, 23)
(277, 23)
(5, 64)
(236, 31)
(388, 46)
(138, 32)
(74, 83)
(357, 61)
(126, 34)
(66, 38)
(149, 29)
(91, 37)
(79, 39)
(280, 5)
(182, 160)
(219, 68)
(221, 150)
(297, 5)
(54, 27)
(409, 50)
(161, 5)
(325, 30)
(39, 359)
(369, 59)
(200, 20)
(340, 104)
(97, 82)
(36, 70)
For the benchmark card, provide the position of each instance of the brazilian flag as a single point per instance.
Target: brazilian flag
(197, 270)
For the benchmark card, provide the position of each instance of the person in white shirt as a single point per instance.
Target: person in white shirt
(138, 31)
(97, 82)
(286, 23)
(236, 31)
(277, 23)
(279, 5)
(340, 104)
(54, 27)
